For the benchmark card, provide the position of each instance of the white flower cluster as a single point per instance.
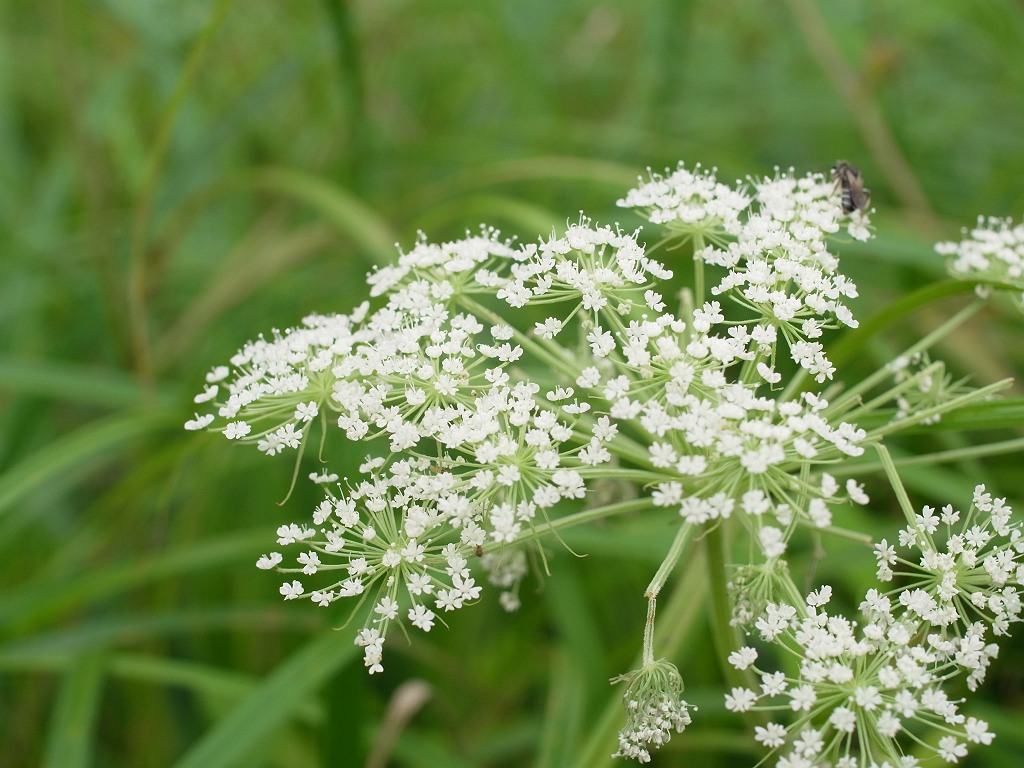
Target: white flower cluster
(495, 387)
(778, 264)
(862, 688)
(654, 709)
(695, 202)
(689, 201)
(960, 578)
(475, 448)
(992, 254)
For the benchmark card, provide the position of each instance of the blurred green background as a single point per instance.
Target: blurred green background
(176, 177)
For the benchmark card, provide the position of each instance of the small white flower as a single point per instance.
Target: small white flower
(743, 658)
(236, 429)
(306, 411)
(266, 562)
(740, 700)
(199, 422)
(291, 590)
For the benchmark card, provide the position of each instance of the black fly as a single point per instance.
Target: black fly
(847, 177)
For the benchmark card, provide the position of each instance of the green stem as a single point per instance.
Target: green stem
(723, 633)
(841, 533)
(680, 614)
(634, 475)
(533, 345)
(586, 516)
(895, 482)
(939, 457)
(794, 385)
(654, 588)
(928, 341)
(698, 269)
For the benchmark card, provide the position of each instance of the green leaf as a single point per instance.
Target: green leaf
(49, 649)
(1006, 413)
(75, 455)
(53, 596)
(69, 741)
(253, 724)
(350, 214)
(202, 679)
(69, 382)
(496, 210)
(590, 172)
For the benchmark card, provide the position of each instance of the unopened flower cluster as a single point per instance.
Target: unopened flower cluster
(494, 384)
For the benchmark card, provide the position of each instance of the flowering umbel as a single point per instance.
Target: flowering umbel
(865, 691)
(654, 708)
(495, 385)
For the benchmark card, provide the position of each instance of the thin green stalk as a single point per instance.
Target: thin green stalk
(586, 516)
(723, 634)
(533, 345)
(937, 410)
(680, 613)
(895, 482)
(939, 457)
(852, 394)
(890, 394)
(794, 385)
(840, 533)
(698, 269)
(635, 475)
(654, 588)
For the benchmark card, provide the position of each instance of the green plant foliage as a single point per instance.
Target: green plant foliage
(177, 176)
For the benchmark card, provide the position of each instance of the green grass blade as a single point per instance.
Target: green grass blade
(362, 223)
(52, 597)
(255, 721)
(69, 741)
(68, 382)
(524, 217)
(75, 455)
(1006, 413)
(260, 260)
(202, 679)
(852, 344)
(111, 630)
(589, 172)
(564, 712)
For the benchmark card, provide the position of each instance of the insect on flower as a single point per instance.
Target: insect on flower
(847, 177)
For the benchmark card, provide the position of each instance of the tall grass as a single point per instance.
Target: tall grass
(177, 177)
